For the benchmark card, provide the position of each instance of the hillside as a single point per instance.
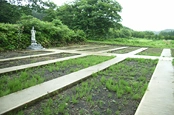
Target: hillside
(166, 30)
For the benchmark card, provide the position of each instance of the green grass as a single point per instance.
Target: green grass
(125, 50)
(137, 42)
(151, 52)
(172, 52)
(108, 92)
(9, 85)
(26, 78)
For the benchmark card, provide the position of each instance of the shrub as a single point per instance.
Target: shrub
(17, 36)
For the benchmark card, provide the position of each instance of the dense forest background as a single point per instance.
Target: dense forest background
(73, 22)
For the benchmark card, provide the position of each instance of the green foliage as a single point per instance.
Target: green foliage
(10, 38)
(137, 42)
(125, 33)
(17, 36)
(10, 13)
(167, 35)
(94, 17)
(10, 86)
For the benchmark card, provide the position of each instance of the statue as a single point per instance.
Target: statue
(34, 45)
(33, 39)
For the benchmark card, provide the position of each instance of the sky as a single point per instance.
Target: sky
(142, 15)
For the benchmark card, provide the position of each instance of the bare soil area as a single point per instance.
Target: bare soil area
(11, 54)
(125, 50)
(11, 63)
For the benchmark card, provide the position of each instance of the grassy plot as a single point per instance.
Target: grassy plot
(24, 61)
(12, 54)
(137, 42)
(125, 50)
(172, 52)
(114, 91)
(151, 52)
(72, 47)
(100, 48)
(12, 82)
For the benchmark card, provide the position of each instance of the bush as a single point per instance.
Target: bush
(17, 36)
(10, 37)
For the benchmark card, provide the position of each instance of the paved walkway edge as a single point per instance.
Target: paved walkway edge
(159, 97)
(17, 99)
(20, 98)
(29, 56)
(15, 68)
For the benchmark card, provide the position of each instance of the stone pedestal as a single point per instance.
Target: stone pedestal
(35, 46)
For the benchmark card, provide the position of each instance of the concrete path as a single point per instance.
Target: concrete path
(29, 56)
(87, 48)
(159, 97)
(151, 57)
(20, 98)
(17, 99)
(111, 49)
(15, 68)
(106, 54)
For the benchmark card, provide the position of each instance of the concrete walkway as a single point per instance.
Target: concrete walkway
(15, 68)
(159, 97)
(29, 56)
(20, 98)
(17, 99)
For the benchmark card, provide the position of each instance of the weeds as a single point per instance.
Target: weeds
(151, 52)
(105, 93)
(135, 42)
(12, 82)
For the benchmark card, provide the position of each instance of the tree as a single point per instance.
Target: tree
(167, 34)
(50, 13)
(94, 17)
(36, 5)
(9, 13)
(125, 32)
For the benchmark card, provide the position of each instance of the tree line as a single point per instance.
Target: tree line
(91, 19)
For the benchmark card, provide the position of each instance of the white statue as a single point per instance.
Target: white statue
(33, 39)
(34, 45)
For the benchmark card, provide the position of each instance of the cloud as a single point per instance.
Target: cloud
(147, 14)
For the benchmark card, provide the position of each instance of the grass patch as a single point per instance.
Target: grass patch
(152, 52)
(18, 53)
(24, 61)
(125, 50)
(172, 52)
(99, 49)
(137, 42)
(12, 82)
(116, 90)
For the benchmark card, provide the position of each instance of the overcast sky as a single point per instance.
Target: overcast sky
(141, 15)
